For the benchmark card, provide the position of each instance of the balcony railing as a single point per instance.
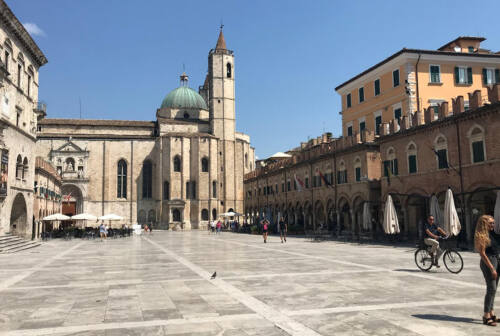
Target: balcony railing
(41, 107)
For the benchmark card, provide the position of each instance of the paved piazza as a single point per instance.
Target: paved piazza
(160, 284)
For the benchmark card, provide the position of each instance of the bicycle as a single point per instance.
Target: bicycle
(452, 259)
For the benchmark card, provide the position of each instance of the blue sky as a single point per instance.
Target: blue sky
(122, 57)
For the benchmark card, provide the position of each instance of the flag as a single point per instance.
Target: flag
(328, 184)
(67, 197)
(299, 182)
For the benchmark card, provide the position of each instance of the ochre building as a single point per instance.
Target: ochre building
(178, 171)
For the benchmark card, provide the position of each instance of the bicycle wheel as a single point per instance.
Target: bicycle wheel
(423, 259)
(453, 261)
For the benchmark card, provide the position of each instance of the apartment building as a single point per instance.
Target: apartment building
(414, 79)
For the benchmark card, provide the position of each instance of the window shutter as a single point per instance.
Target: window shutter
(395, 163)
(338, 178)
(477, 151)
(457, 79)
(497, 76)
(485, 76)
(469, 75)
(386, 168)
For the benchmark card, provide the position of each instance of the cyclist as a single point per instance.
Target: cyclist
(432, 233)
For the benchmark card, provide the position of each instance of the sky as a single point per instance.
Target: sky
(120, 58)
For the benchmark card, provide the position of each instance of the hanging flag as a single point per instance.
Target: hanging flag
(67, 197)
(300, 184)
(328, 184)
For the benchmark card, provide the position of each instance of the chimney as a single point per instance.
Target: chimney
(474, 99)
(429, 115)
(458, 104)
(494, 93)
(443, 110)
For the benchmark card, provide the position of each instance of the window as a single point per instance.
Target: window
(342, 173)
(411, 151)
(349, 130)
(361, 92)
(348, 100)
(29, 85)
(166, 190)
(362, 125)
(204, 214)
(25, 168)
(357, 169)
(491, 76)
(276, 188)
(214, 189)
(246, 160)
(18, 116)
(435, 114)
(121, 182)
(7, 55)
(307, 182)
(435, 73)
(283, 187)
(229, 70)
(147, 179)
(376, 86)
(378, 122)
(391, 164)
(177, 163)
(463, 75)
(295, 184)
(19, 166)
(471, 49)
(395, 78)
(214, 214)
(441, 151)
(204, 165)
(288, 186)
(397, 114)
(19, 74)
(476, 138)
(176, 215)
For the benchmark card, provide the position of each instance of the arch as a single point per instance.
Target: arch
(229, 70)
(19, 215)
(151, 216)
(204, 164)
(476, 144)
(147, 179)
(72, 200)
(177, 163)
(319, 216)
(176, 215)
(391, 153)
(204, 215)
(141, 217)
(411, 146)
(121, 179)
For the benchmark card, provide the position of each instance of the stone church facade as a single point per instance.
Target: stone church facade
(179, 171)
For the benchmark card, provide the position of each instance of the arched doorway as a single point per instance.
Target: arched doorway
(320, 216)
(72, 200)
(18, 216)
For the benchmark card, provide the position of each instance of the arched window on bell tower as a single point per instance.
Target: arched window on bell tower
(229, 69)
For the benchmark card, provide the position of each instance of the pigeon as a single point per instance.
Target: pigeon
(214, 275)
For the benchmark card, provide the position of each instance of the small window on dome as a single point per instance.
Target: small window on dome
(186, 115)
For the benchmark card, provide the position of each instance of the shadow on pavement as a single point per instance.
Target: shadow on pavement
(439, 317)
(408, 270)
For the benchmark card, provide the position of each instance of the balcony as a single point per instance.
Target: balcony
(41, 109)
(73, 175)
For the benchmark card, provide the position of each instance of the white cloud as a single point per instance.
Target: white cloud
(33, 29)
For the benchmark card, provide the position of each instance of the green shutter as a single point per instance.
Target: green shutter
(469, 75)
(497, 76)
(386, 168)
(457, 80)
(395, 166)
(477, 151)
(485, 76)
(412, 163)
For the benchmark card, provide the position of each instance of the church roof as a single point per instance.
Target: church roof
(184, 97)
(221, 42)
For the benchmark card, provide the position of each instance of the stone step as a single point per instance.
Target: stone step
(20, 247)
(11, 242)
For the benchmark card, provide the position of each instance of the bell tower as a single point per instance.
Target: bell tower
(221, 95)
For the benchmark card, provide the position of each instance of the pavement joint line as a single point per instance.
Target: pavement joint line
(419, 275)
(127, 325)
(296, 274)
(383, 306)
(11, 281)
(279, 319)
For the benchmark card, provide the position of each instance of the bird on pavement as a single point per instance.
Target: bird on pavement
(214, 275)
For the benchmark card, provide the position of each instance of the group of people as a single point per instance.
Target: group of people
(487, 243)
(215, 226)
(282, 228)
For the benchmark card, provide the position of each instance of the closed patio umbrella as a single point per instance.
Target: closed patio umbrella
(436, 211)
(391, 223)
(497, 213)
(451, 222)
(366, 216)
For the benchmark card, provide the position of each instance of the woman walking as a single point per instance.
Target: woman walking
(488, 245)
(265, 227)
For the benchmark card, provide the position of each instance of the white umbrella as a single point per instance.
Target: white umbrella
(497, 213)
(391, 223)
(110, 217)
(84, 216)
(366, 216)
(56, 217)
(231, 214)
(436, 211)
(451, 221)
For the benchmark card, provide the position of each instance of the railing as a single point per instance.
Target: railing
(41, 106)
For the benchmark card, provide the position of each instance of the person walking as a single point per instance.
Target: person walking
(487, 243)
(265, 227)
(283, 229)
(102, 231)
(212, 226)
(219, 226)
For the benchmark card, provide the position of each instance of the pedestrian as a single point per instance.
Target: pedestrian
(283, 229)
(219, 226)
(151, 228)
(212, 226)
(102, 231)
(487, 243)
(265, 227)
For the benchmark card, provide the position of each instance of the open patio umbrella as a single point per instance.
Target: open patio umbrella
(110, 217)
(391, 223)
(497, 213)
(366, 216)
(451, 222)
(231, 214)
(436, 211)
(56, 217)
(84, 217)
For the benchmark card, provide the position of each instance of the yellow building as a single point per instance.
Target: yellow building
(414, 79)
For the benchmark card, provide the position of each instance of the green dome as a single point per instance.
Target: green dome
(184, 97)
